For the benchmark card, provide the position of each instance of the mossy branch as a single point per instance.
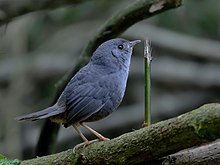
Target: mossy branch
(147, 144)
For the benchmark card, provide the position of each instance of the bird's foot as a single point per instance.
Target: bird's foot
(85, 144)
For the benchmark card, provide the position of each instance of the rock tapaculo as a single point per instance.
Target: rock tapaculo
(95, 91)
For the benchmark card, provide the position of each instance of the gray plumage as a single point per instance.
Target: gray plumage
(96, 90)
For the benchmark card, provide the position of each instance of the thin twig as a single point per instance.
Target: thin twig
(147, 82)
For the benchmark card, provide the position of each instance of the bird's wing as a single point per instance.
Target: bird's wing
(84, 101)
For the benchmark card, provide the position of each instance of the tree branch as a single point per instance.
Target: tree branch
(147, 144)
(206, 154)
(10, 9)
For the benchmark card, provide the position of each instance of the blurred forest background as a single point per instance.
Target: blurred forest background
(37, 49)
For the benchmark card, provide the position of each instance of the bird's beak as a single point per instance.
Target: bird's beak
(132, 43)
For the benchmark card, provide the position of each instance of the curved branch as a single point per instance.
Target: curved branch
(10, 9)
(147, 144)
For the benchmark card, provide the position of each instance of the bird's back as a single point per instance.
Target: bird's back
(93, 93)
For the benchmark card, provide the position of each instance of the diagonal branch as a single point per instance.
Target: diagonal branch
(10, 8)
(147, 144)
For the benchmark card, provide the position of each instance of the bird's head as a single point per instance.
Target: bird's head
(114, 53)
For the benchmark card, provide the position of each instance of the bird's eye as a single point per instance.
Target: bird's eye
(120, 47)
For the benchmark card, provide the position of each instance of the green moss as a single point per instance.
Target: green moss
(74, 158)
(205, 132)
(203, 127)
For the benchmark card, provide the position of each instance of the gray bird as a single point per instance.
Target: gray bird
(95, 91)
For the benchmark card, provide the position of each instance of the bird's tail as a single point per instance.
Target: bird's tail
(48, 112)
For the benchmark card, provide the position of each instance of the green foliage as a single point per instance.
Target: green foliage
(5, 161)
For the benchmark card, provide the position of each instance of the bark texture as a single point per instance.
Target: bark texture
(147, 144)
(202, 155)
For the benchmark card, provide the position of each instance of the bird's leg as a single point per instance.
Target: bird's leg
(86, 141)
(100, 137)
(80, 133)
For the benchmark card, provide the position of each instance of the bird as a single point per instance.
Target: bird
(95, 91)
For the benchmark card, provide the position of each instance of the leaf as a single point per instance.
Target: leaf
(5, 161)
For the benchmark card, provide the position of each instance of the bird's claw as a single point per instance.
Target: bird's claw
(85, 144)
